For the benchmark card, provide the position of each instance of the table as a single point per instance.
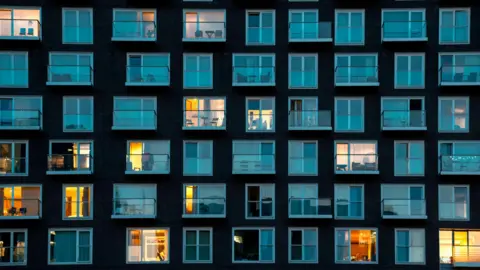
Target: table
(209, 33)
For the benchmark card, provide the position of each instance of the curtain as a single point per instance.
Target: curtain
(64, 247)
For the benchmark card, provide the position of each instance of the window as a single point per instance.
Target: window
(459, 157)
(148, 245)
(197, 245)
(260, 200)
(303, 202)
(13, 68)
(134, 201)
(459, 69)
(349, 202)
(303, 245)
(14, 158)
(356, 70)
(356, 246)
(253, 245)
(409, 158)
(403, 201)
(459, 247)
(453, 114)
(70, 246)
(454, 202)
(253, 69)
(303, 114)
(208, 25)
(303, 71)
(356, 157)
(134, 25)
(134, 113)
(403, 113)
(253, 157)
(349, 114)
(70, 157)
(14, 247)
(260, 114)
(77, 202)
(303, 158)
(21, 23)
(21, 113)
(404, 25)
(409, 246)
(349, 27)
(198, 71)
(204, 113)
(77, 114)
(148, 69)
(198, 158)
(260, 27)
(70, 69)
(148, 157)
(21, 201)
(78, 25)
(409, 70)
(454, 26)
(304, 26)
(204, 200)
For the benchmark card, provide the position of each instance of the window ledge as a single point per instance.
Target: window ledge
(69, 83)
(134, 216)
(202, 216)
(357, 172)
(421, 39)
(404, 217)
(85, 172)
(311, 216)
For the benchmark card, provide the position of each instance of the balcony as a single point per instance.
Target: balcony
(134, 208)
(77, 122)
(404, 31)
(204, 31)
(148, 76)
(134, 120)
(70, 164)
(253, 76)
(356, 164)
(260, 122)
(134, 31)
(460, 165)
(204, 120)
(466, 256)
(403, 209)
(253, 164)
(459, 75)
(20, 29)
(403, 120)
(17, 77)
(309, 120)
(310, 32)
(81, 75)
(20, 120)
(148, 164)
(204, 208)
(13, 166)
(356, 76)
(21, 209)
(310, 208)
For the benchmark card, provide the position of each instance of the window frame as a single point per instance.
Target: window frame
(303, 11)
(199, 187)
(136, 216)
(137, 11)
(11, 54)
(349, 217)
(198, 71)
(302, 56)
(197, 245)
(409, 145)
(302, 229)
(410, 70)
(259, 229)
(197, 142)
(77, 10)
(142, 55)
(78, 98)
(349, 11)
(25, 247)
(349, 69)
(408, 197)
(141, 110)
(197, 11)
(78, 55)
(453, 186)
(410, 21)
(453, 65)
(141, 229)
(168, 147)
(303, 142)
(260, 99)
(402, 98)
(260, 187)
(454, 10)
(247, 27)
(453, 142)
(397, 246)
(76, 142)
(349, 230)
(90, 202)
(453, 100)
(27, 158)
(259, 67)
(77, 231)
(349, 99)
(204, 127)
(40, 206)
(12, 17)
(258, 143)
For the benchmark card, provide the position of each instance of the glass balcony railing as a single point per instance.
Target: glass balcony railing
(403, 119)
(460, 164)
(349, 121)
(134, 208)
(148, 75)
(134, 120)
(18, 208)
(77, 122)
(404, 208)
(148, 163)
(347, 35)
(20, 29)
(70, 75)
(303, 78)
(452, 34)
(356, 76)
(459, 75)
(310, 208)
(253, 163)
(204, 31)
(197, 78)
(356, 163)
(134, 31)
(13, 165)
(404, 30)
(309, 120)
(20, 119)
(262, 122)
(207, 207)
(70, 164)
(453, 210)
(302, 165)
(78, 34)
(13, 77)
(466, 255)
(252, 76)
(204, 119)
(310, 31)
(409, 166)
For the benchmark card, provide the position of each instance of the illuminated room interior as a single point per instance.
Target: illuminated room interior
(148, 245)
(201, 24)
(204, 112)
(356, 156)
(26, 22)
(459, 246)
(77, 202)
(363, 245)
(20, 197)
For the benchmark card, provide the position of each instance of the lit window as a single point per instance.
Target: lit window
(356, 246)
(148, 157)
(21, 23)
(356, 157)
(204, 25)
(70, 246)
(14, 158)
(75, 157)
(260, 114)
(148, 245)
(21, 202)
(13, 247)
(204, 200)
(204, 113)
(78, 201)
(459, 247)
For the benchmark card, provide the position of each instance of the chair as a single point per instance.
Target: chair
(218, 33)
(23, 211)
(266, 78)
(12, 211)
(30, 32)
(473, 77)
(198, 34)
(23, 31)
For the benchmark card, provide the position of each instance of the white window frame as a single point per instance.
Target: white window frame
(349, 11)
(77, 10)
(349, 69)
(453, 143)
(259, 229)
(302, 57)
(202, 39)
(453, 187)
(77, 54)
(200, 187)
(408, 99)
(13, 68)
(260, 186)
(409, 11)
(143, 142)
(40, 205)
(137, 10)
(409, 145)
(197, 230)
(77, 232)
(454, 10)
(90, 202)
(362, 99)
(142, 245)
(78, 98)
(141, 110)
(454, 66)
(76, 142)
(349, 230)
(13, 110)
(303, 11)
(204, 127)
(467, 114)
(410, 70)
(290, 245)
(408, 199)
(349, 217)
(260, 28)
(128, 81)
(12, 10)
(410, 246)
(260, 66)
(198, 71)
(260, 99)
(210, 142)
(258, 143)
(27, 154)
(145, 216)
(25, 248)
(303, 142)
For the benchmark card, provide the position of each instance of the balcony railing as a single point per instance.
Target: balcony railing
(310, 32)
(454, 75)
(70, 164)
(29, 29)
(148, 164)
(148, 75)
(20, 119)
(460, 164)
(253, 76)
(302, 165)
(204, 31)
(70, 75)
(310, 208)
(409, 166)
(454, 34)
(134, 208)
(77, 122)
(253, 164)
(134, 31)
(466, 255)
(309, 120)
(404, 209)
(134, 120)
(356, 76)
(21, 208)
(356, 163)
(300, 78)
(404, 120)
(16, 165)
(79, 209)
(203, 207)
(262, 122)
(204, 119)
(453, 210)
(13, 77)
(409, 78)
(347, 35)
(197, 78)
(404, 31)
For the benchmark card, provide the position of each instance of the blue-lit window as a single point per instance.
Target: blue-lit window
(260, 27)
(410, 246)
(198, 71)
(14, 69)
(454, 26)
(349, 27)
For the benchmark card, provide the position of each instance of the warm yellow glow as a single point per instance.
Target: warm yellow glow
(74, 202)
(136, 151)
(189, 195)
(191, 104)
(148, 245)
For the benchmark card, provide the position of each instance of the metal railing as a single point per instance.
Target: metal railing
(409, 166)
(70, 162)
(349, 121)
(303, 78)
(454, 34)
(148, 163)
(459, 74)
(134, 207)
(78, 122)
(345, 34)
(309, 119)
(403, 119)
(356, 162)
(198, 78)
(253, 75)
(145, 75)
(356, 75)
(260, 121)
(404, 208)
(21, 119)
(15, 165)
(204, 206)
(309, 207)
(77, 209)
(460, 163)
(134, 30)
(70, 74)
(404, 30)
(20, 28)
(453, 210)
(21, 208)
(135, 119)
(302, 165)
(300, 31)
(13, 76)
(253, 163)
(195, 30)
(208, 119)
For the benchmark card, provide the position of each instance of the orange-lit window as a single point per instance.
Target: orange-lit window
(77, 201)
(146, 246)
